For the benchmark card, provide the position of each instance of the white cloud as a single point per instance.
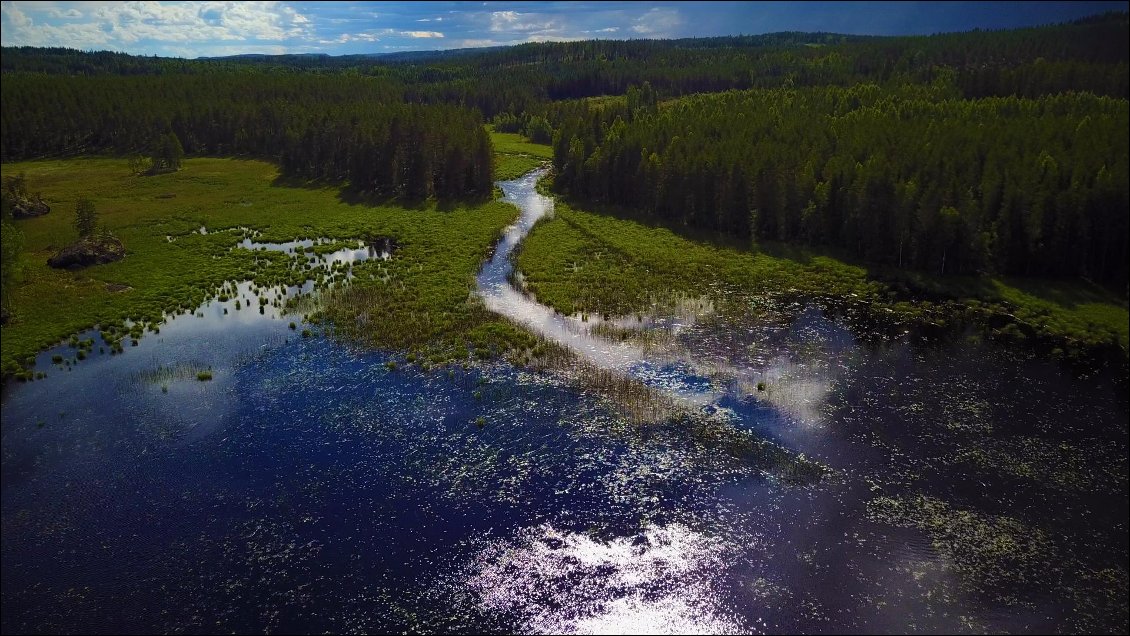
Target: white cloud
(541, 37)
(244, 49)
(377, 34)
(208, 27)
(69, 14)
(132, 22)
(512, 21)
(20, 29)
(658, 22)
(14, 16)
(369, 36)
(474, 43)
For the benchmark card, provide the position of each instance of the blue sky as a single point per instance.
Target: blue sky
(192, 29)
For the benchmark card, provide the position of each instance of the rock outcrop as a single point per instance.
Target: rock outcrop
(25, 208)
(92, 250)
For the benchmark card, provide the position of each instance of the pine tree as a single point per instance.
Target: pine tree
(86, 218)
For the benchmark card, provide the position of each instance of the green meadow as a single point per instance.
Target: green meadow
(514, 156)
(420, 300)
(581, 261)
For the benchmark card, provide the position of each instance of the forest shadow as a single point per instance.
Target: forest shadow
(711, 237)
(1069, 293)
(353, 196)
(914, 285)
(1066, 293)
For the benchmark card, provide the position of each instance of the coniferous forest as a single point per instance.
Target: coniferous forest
(323, 127)
(913, 177)
(972, 152)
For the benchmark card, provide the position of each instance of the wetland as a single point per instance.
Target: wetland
(758, 460)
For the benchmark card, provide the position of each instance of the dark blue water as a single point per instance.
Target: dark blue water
(899, 486)
(309, 488)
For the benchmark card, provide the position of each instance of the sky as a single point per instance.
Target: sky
(209, 28)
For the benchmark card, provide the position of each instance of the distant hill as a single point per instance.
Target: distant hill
(1088, 55)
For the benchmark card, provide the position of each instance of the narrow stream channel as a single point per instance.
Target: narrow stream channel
(675, 373)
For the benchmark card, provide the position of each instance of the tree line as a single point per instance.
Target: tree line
(1084, 55)
(331, 127)
(913, 177)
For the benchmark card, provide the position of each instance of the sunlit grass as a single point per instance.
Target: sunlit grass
(421, 298)
(513, 143)
(582, 261)
(514, 155)
(507, 167)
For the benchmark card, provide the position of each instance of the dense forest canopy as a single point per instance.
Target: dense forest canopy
(906, 177)
(1001, 151)
(331, 127)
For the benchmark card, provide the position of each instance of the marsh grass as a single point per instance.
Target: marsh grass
(507, 167)
(992, 554)
(514, 156)
(644, 407)
(515, 144)
(584, 262)
(171, 267)
(637, 401)
(166, 374)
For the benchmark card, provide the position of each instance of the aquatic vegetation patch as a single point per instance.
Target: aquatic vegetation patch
(1061, 465)
(994, 554)
(1099, 601)
(1015, 563)
(966, 414)
(164, 374)
(718, 434)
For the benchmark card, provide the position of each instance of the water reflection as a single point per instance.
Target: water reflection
(308, 487)
(379, 249)
(693, 370)
(656, 582)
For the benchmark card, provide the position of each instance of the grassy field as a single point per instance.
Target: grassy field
(421, 301)
(582, 261)
(514, 156)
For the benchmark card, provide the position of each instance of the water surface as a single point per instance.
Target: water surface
(308, 487)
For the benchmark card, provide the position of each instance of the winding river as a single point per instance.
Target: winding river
(879, 484)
